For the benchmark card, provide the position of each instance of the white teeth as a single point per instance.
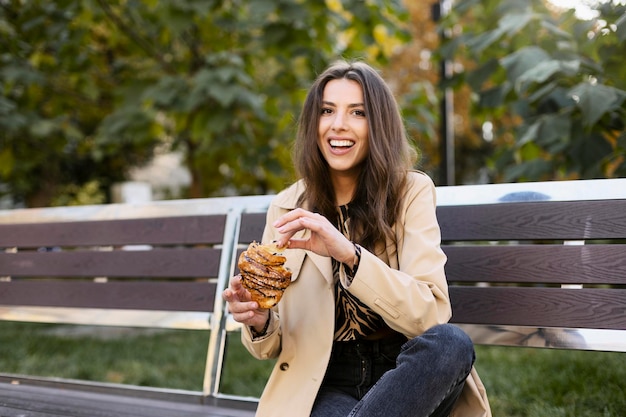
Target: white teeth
(341, 143)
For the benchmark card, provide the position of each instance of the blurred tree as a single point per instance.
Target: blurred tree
(91, 88)
(546, 87)
(413, 75)
(56, 88)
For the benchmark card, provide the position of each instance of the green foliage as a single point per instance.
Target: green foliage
(73, 195)
(56, 89)
(92, 88)
(556, 82)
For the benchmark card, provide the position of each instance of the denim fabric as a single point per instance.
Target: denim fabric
(424, 380)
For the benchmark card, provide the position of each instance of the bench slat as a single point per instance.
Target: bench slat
(163, 263)
(550, 220)
(563, 264)
(60, 398)
(167, 296)
(252, 225)
(540, 307)
(150, 231)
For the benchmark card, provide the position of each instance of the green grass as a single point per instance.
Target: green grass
(158, 359)
(520, 382)
(161, 358)
(553, 383)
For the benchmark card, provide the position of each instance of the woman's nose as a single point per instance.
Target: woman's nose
(338, 122)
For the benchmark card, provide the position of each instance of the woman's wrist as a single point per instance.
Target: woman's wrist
(350, 259)
(353, 264)
(263, 330)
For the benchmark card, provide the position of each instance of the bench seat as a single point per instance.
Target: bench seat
(41, 398)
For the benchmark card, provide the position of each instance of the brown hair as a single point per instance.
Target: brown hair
(382, 179)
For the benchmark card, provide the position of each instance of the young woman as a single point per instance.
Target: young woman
(362, 329)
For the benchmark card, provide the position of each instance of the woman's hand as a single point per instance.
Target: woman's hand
(324, 239)
(243, 309)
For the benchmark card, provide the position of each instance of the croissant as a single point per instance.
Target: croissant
(263, 273)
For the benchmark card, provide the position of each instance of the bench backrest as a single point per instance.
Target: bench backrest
(536, 264)
(157, 264)
(163, 263)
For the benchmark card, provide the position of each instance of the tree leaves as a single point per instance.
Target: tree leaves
(523, 60)
(106, 83)
(594, 101)
(559, 83)
(508, 25)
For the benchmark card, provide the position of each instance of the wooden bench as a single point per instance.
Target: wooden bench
(156, 265)
(536, 264)
(539, 264)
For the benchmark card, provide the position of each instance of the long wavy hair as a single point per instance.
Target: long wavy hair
(382, 179)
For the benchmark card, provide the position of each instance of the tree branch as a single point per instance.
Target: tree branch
(189, 38)
(134, 36)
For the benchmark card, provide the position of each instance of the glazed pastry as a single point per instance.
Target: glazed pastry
(263, 273)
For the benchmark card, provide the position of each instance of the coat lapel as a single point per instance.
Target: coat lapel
(324, 265)
(296, 258)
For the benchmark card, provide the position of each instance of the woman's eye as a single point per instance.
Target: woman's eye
(360, 113)
(326, 110)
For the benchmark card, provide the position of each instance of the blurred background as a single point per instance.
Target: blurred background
(198, 98)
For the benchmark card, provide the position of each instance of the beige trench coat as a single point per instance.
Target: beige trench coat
(407, 287)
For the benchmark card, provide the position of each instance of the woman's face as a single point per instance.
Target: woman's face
(343, 133)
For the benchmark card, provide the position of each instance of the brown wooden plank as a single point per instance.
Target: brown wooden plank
(151, 231)
(57, 399)
(251, 228)
(146, 295)
(164, 263)
(551, 220)
(575, 264)
(540, 307)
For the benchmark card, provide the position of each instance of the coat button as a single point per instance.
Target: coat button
(284, 366)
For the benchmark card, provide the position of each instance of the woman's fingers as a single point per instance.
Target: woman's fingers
(236, 307)
(240, 305)
(298, 244)
(297, 220)
(323, 238)
(290, 216)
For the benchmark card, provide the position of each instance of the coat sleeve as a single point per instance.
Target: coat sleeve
(412, 296)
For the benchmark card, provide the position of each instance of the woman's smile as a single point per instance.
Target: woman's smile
(340, 146)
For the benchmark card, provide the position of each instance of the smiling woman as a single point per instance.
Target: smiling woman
(363, 326)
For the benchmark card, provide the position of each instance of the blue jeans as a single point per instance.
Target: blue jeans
(420, 378)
